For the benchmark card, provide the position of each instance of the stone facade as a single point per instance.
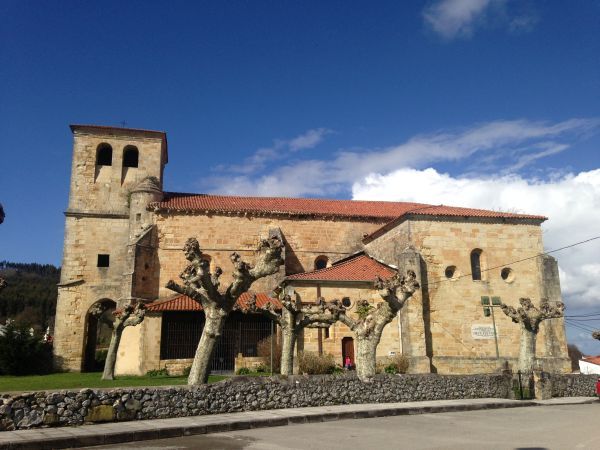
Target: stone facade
(441, 329)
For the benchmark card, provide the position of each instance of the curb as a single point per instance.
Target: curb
(114, 433)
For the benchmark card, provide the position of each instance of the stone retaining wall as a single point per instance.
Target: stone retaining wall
(575, 385)
(63, 408)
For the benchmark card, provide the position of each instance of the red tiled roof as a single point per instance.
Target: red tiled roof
(357, 268)
(320, 207)
(282, 205)
(592, 359)
(450, 211)
(185, 303)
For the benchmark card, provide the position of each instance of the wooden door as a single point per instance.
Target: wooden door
(348, 350)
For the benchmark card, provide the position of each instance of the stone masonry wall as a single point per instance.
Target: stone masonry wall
(238, 394)
(455, 303)
(220, 235)
(576, 385)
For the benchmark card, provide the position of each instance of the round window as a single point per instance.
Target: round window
(507, 274)
(452, 273)
(346, 302)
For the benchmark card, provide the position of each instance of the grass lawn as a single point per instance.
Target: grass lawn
(86, 380)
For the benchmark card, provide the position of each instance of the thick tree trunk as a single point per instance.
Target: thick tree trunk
(366, 357)
(288, 342)
(527, 350)
(213, 326)
(111, 355)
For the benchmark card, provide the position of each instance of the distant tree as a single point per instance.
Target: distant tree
(30, 292)
(596, 335)
(574, 355)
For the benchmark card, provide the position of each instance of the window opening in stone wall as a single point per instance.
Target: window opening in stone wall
(130, 156)
(104, 155)
(476, 264)
(346, 302)
(138, 217)
(507, 274)
(103, 260)
(327, 333)
(450, 272)
(321, 262)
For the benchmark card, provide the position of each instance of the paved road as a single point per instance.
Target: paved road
(542, 427)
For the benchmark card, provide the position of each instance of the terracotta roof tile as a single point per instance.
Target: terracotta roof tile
(282, 205)
(450, 211)
(319, 207)
(592, 359)
(358, 268)
(185, 303)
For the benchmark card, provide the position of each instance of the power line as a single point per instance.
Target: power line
(520, 260)
(581, 327)
(584, 315)
(582, 320)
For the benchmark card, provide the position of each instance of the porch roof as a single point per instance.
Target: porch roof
(184, 303)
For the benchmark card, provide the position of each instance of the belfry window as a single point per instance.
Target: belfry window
(104, 155)
(130, 156)
(476, 264)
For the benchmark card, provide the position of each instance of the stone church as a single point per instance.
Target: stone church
(124, 237)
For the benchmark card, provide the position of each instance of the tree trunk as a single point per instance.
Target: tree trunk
(213, 326)
(111, 355)
(366, 357)
(527, 350)
(288, 342)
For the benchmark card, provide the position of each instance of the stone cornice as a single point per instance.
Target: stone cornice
(97, 214)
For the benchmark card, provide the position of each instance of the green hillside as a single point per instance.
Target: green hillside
(30, 297)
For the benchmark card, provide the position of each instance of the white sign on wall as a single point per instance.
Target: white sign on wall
(483, 331)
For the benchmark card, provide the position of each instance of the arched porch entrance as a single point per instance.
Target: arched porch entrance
(99, 319)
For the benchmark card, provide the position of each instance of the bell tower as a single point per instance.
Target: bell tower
(108, 163)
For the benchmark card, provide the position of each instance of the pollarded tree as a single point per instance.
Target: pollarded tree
(596, 335)
(293, 318)
(203, 286)
(529, 317)
(130, 315)
(371, 321)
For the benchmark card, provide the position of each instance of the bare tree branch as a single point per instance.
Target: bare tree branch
(529, 318)
(204, 287)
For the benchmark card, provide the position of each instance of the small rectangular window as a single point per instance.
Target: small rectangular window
(138, 217)
(326, 333)
(103, 260)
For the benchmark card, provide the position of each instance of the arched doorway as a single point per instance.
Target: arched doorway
(348, 351)
(99, 320)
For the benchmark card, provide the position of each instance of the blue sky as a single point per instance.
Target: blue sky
(490, 103)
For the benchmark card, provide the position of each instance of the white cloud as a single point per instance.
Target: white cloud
(279, 149)
(452, 18)
(460, 18)
(572, 203)
(499, 145)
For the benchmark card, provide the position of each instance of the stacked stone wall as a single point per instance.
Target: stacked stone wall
(239, 394)
(575, 385)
